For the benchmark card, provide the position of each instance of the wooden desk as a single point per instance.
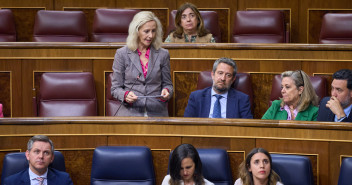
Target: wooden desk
(76, 137)
(21, 65)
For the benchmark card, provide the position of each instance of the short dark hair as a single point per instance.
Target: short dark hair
(227, 61)
(344, 74)
(181, 152)
(39, 138)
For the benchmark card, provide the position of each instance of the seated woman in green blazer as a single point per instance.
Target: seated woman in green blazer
(299, 100)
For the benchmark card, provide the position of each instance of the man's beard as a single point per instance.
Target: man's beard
(221, 90)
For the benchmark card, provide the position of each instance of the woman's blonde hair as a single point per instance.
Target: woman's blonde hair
(138, 21)
(308, 95)
(247, 177)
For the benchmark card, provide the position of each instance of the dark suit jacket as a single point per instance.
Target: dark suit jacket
(325, 114)
(199, 101)
(55, 177)
(126, 68)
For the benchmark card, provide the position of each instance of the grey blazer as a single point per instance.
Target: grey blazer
(127, 67)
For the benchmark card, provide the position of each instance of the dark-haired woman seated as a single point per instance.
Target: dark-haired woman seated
(189, 26)
(185, 167)
(256, 169)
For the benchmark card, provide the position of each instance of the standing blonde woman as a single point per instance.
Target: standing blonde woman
(141, 70)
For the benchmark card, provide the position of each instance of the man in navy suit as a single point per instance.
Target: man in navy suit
(220, 100)
(40, 153)
(338, 107)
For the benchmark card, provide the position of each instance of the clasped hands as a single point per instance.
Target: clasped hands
(131, 97)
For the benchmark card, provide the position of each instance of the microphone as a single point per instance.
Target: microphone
(139, 75)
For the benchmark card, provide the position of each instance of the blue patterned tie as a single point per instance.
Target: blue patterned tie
(217, 107)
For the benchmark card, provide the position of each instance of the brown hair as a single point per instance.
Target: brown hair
(200, 26)
(247, 177)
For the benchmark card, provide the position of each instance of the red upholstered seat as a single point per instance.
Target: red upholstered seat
(259, 27)
(319, 84)
(7, 26)
(242, 83)
(60, 26)
(111, 25)
(111, 104)
(210, 19)
(66, 94)
(336, 28)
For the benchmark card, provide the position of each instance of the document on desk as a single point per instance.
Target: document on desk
(154, 96)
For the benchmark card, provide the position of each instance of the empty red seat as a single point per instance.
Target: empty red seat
(336, 28)
(7, 26)
(60, 26)
(111, 25)
(259, 27)
(66, 94)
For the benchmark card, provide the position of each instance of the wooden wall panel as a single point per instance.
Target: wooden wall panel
(49, 4)
(61, 4)
(261, 83)
(11, 87)
(24, 21)
(6, 94)
(337, 151)
(316, 151)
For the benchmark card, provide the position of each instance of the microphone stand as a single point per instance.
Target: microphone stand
(139, 75)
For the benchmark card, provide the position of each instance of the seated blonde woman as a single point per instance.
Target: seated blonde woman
(299, 100)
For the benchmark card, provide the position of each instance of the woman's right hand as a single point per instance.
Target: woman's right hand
(131, 97)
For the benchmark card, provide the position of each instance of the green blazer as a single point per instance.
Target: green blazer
(275, 112)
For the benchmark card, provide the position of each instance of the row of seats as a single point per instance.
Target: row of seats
(74, 94)
(111, 25)
(134, 165)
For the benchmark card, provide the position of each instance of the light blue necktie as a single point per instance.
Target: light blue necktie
(217, 107)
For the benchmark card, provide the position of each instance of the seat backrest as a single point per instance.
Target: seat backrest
(16, 162)
(60, 26)
(122, 165)
(242, 83)
(67, 94)
(259, 27)
(210, 19)
(345, 171)
(293, 169)
(7, 26)
(319, 84)
(216, 166)
(111, 25)
(111, 104)
(336, 28)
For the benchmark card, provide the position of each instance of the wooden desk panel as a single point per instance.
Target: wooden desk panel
(76, 137)
(25, 60)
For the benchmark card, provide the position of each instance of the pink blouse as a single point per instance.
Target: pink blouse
(144, 67)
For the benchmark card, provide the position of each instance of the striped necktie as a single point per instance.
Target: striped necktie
(41, 180)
